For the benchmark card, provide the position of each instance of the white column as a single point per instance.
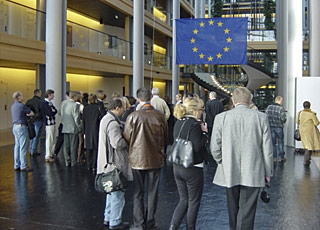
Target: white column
(314, 48)
(295, 50)
(197, 14)
(54, 49)
(175, 67)
(203, 9)
(209, 8)
(138, 41)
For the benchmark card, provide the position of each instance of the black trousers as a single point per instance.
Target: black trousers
(242, 204)
(59, 142)
(145, 205)
(190, 186)
(92, 158)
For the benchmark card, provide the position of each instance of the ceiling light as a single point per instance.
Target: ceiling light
(116, 16)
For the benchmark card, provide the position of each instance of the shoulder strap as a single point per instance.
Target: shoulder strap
(299, 119)
(109, 149)
(182, 128)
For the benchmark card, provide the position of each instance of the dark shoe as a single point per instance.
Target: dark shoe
(106, 223)
(307, 163)
(122, 225)
(27, 169)
(132, 227)
(17, 169)
(35, 154)
(172, 227)
(282, 160)
(154, 227)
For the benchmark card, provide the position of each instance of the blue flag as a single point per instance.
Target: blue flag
(220, 41)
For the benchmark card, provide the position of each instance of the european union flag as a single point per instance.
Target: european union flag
(220, 41)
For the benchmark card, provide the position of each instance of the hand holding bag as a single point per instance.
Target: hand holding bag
(113, 180)
(297, 136)
(182, 151)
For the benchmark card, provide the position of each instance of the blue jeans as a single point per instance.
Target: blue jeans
(35, 141)
(114, 205)
(21, 137)
(277, 133)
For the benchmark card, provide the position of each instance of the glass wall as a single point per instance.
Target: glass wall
(21, 21)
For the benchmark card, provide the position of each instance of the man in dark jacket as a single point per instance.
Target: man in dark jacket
(145, 131)
(213, 107)
(34, 105)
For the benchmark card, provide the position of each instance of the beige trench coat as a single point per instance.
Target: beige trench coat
(309, 132)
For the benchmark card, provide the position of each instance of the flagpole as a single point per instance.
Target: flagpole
(175, 67)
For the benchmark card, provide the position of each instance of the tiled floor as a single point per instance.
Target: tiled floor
(56, 197)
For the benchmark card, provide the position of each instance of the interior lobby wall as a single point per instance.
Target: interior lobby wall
(90, 84)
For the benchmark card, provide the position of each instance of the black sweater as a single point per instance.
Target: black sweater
(197, 137)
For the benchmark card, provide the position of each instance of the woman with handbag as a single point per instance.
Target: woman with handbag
(309, 132)
(189, 180)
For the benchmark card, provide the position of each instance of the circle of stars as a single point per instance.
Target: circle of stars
(218, 55)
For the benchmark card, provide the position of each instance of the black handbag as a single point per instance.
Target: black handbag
(113, 180)
(182, 151)
(297, 136)
(31, 130)
(110, 181)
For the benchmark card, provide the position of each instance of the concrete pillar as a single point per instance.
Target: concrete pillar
(197, 8)
(127, 53)
(203, 8)
(55, 26)
(314, 48)
(291, 57)
(197, 13)
(175, 67)
(138, 41)
(40, 35)
(41, 20)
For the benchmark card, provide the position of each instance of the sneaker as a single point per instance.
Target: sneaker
(16, 169)
(27, 169)
(50, 160)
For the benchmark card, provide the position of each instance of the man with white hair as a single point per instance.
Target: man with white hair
(159, 104)
(213, 107)
(241, 145)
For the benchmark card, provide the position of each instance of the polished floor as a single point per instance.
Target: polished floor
(56, 197)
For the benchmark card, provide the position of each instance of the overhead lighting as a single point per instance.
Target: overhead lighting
(116, 16)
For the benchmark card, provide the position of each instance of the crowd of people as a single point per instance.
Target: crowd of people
(133, 135)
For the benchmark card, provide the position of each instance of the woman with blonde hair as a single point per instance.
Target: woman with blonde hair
(189, 180)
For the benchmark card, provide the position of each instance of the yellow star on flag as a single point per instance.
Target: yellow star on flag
(201, 24)
(219, 55)
(192, 40)
(226, 31)
(211, 22)
(210, 58)
(195, 49)
(201, 56)
(229, 40)
(226, 49)
(220, 24)
(195, 31)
